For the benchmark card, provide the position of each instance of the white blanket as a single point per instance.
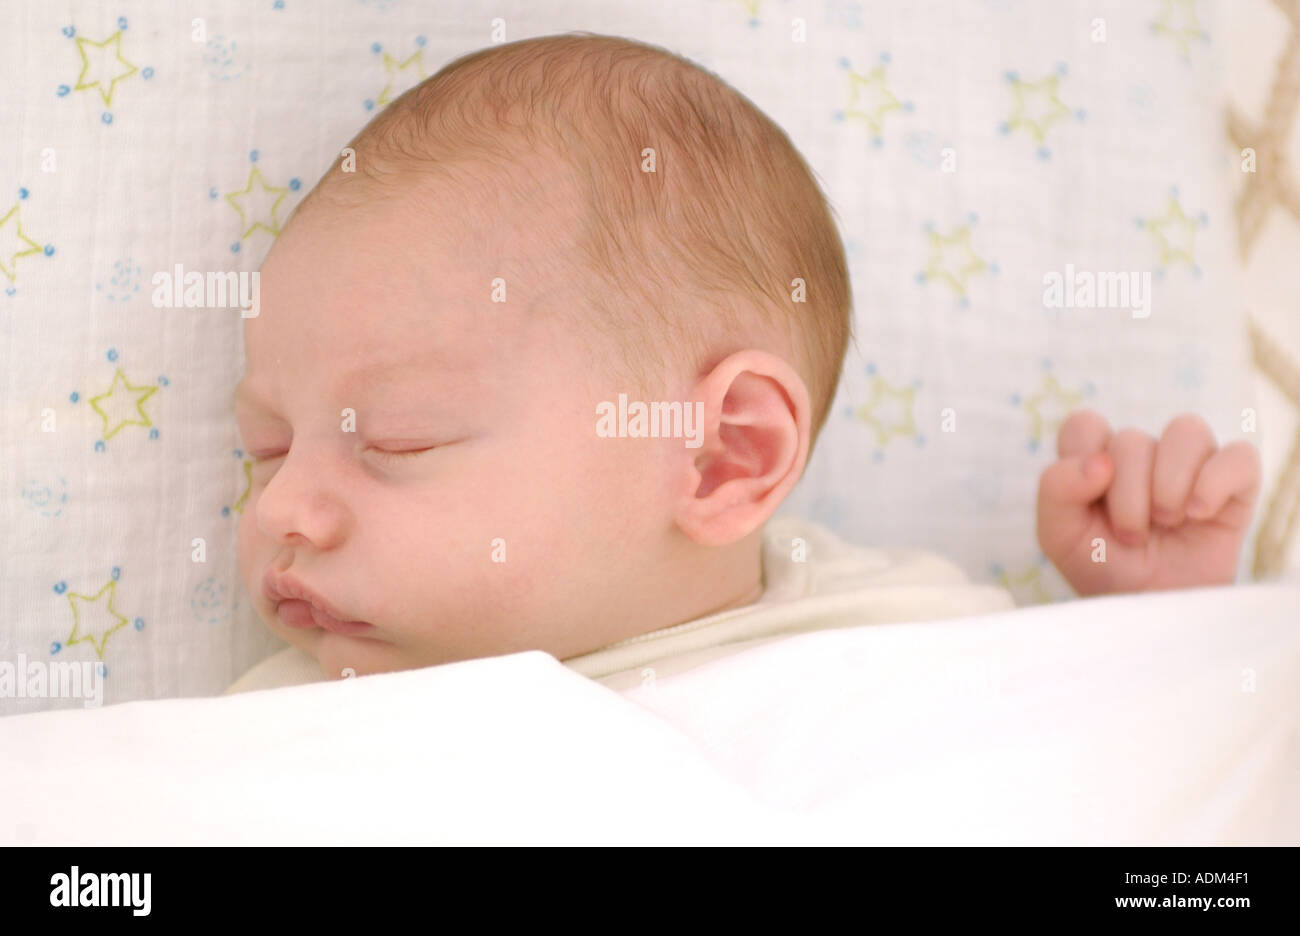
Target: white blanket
(1168, 718)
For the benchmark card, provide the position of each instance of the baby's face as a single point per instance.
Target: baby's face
(426, 459)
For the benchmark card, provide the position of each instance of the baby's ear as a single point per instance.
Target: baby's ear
(754, 447)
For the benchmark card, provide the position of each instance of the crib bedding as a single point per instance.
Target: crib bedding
(1155, 718)
(969, 151)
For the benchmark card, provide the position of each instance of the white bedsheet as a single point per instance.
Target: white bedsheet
(1169, 718)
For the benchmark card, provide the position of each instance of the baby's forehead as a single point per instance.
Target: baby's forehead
(389, 287)
(470, 213)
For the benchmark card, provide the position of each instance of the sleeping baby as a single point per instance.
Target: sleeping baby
(544, 351)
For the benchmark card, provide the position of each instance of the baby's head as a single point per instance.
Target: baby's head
(448, 389)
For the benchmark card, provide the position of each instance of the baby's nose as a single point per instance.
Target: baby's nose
(302, 504)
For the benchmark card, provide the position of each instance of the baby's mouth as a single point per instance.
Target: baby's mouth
(299, 607)
(296, 613)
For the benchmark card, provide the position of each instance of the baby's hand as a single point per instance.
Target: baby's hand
(1171, 513)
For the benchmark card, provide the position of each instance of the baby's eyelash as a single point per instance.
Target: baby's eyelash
(386, 455)
(383, 454)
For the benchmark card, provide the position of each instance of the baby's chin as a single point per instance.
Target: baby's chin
(343, 657)
(340, 656)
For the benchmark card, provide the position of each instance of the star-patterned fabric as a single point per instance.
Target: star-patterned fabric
(969, 150)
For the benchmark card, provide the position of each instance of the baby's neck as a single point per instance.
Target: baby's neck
(747, 597)
(697, 582)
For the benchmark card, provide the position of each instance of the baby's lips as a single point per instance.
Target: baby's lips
(295, 613)
(327, 621)
(300, 614)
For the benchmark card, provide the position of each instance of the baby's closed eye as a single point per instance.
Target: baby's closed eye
(397, 451)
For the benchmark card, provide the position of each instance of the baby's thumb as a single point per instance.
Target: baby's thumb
(1066, 489)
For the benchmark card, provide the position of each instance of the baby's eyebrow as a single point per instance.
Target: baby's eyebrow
(420, 365)
(404, 372)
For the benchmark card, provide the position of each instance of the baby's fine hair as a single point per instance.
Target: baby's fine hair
(705, 255)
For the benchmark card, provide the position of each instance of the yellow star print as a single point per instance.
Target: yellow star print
(963, 264)
(1175, 234)
(263, 207)
(1026, 587)
(1047, 106)
(103, 66)
(102, 619)
(889, 411)
(1178, 21)
(12, 240)
(876, 99)
(397, 80)
(123, 397)
(1048, 408)
(248, 486)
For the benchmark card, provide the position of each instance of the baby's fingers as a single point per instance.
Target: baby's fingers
(1083, 433)
(1066, 491)
(1185, 446)
(1128, 502)
(1232, 473)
